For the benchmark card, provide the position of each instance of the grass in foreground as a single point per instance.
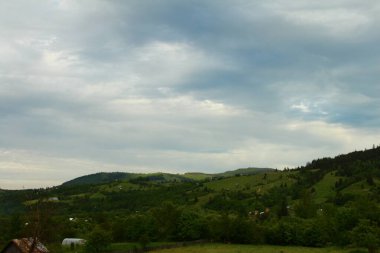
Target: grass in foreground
(126, 246)
(231, 248)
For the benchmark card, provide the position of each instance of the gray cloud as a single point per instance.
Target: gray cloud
(182, 86)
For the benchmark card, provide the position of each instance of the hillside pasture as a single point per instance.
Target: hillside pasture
(197, 176)
(325, 188)
(252, 183)
(361, 188)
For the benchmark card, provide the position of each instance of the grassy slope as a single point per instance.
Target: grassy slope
(119, 181)
(255, 183)
(325, 188)
(360, 188)
(231, 248)
(249, 183)
(197, 175)
(252, 183)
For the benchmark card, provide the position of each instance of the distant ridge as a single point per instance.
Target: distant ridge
(107, 177)
(99, 178)
(344, 165)
(243, 172)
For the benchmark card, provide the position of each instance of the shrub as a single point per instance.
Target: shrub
(98, 241)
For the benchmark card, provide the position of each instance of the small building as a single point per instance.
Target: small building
(73, 242)
(25, 245)
(53, 199)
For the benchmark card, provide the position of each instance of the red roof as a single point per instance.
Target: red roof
(25, 245)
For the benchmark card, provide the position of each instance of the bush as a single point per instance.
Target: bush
(98, 241)
(235, 229)
(191, 225)
(367, 234)
(297, 231)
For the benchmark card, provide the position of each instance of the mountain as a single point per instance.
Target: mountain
(243, 172)
(98, 178)
(108, 177)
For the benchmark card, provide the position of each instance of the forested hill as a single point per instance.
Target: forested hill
(346, 163)
(98, 178)
(349, 168)
(301, 206)
(109, 177)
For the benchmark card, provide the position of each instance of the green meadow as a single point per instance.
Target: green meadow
(233, 248)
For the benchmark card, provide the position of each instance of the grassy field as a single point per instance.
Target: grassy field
(252, 183)
(126, 246)
(361, 188)
(197, 175)
(230, 248)
(325, 188)
(215, 248)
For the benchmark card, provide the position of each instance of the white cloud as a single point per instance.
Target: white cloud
(336, 22)
(344, 21)
(302, 107)
(176, 106)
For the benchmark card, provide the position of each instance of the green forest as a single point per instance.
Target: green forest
(327, 202)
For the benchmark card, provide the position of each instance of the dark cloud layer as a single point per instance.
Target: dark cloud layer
(176, 86)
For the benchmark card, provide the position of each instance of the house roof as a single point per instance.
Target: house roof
(68, 241)
(25, 245)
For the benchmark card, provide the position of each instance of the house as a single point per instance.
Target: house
(73, 242)
(53, 199)
(25, 245)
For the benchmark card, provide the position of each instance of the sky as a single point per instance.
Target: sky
(178, 86)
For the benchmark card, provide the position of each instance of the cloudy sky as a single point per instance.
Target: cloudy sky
(176, 86)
